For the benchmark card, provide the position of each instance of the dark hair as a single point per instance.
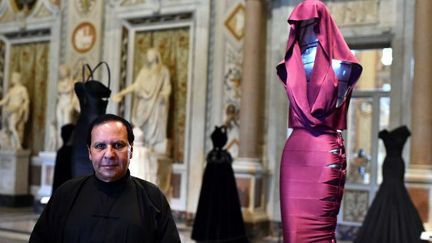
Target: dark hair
(110, 117)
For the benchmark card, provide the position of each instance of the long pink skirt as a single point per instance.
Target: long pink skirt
(312, 179)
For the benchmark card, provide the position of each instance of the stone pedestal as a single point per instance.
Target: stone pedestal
(14, 178)
(47, 159)
(250, 179)
(153, 165)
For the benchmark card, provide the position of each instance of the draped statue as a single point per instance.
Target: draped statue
(152, 89)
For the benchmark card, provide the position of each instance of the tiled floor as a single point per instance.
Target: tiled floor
(16, 225)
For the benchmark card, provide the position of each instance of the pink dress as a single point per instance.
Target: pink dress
(312, 172)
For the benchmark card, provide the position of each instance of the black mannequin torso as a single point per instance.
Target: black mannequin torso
(308, 46)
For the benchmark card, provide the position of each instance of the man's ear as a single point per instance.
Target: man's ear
(88, 149)
(131, 151)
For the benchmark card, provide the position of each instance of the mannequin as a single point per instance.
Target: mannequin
(318, 73)
(93, 99)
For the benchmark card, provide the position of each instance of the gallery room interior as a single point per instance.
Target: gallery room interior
(200, 82)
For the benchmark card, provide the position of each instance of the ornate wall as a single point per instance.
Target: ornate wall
(83, 33)
(25, 30)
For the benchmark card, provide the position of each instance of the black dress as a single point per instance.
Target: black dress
(392, 217)
(93, 99)
(218, 217)
(62, 168)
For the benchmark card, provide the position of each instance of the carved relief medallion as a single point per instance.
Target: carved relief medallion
(84, 37)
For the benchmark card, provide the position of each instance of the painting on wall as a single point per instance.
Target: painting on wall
(173, 47)
(84, 7)
(24, 6)
(32, 61)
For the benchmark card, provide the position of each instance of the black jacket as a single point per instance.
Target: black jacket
(157, 221)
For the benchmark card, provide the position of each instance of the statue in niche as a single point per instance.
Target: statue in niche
(65, 100)
(152, 90)
(16, 104)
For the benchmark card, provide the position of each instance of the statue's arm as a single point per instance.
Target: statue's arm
(5, 99)
(118, 97)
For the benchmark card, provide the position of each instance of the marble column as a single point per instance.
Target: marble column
(421, 124)
(252, 79)
(419, 174)
(248, 166)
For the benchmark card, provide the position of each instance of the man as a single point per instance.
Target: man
(110, 205)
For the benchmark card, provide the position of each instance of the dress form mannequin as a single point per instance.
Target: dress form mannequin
(318, 73)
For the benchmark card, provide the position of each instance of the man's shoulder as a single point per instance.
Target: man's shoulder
(146, 185)
(70, 185)
(151, 192)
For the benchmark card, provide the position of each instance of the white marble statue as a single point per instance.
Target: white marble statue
(152, 89)
(65, 100)
(16, 104)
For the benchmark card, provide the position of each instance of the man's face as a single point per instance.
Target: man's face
(110, 151)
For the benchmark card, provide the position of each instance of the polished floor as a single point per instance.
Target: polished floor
(17, 223)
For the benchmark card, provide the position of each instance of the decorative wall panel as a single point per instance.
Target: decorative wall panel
(354, 12)
(84, 34)
(355, 205)
(233, 60)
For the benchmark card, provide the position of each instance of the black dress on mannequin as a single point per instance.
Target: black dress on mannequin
(392, 217)
(218, 217)
(93, 99)
(62, 168)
